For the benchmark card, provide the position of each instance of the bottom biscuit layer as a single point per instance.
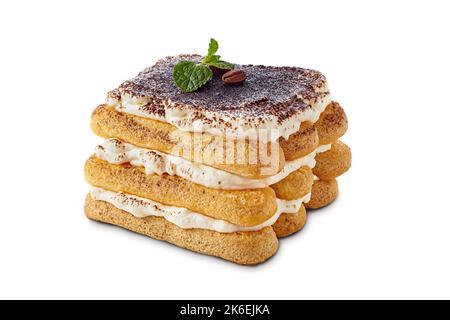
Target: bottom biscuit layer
(289, 223)
(241, 247)
(323, 193)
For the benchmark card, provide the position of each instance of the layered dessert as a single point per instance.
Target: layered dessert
(224, 170)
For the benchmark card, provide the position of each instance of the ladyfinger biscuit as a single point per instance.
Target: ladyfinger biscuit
(241, 207)
(301, 143)
(289, 223)
(295, 185)
(334, 162)
(245, 248)
(332, 124)
(245, 159)
(323, 193)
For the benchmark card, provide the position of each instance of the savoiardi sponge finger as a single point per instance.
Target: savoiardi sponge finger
(323, 193)
(289, 223)
(334, 162)
(211, 150)
(332, 124)
(245, 248)
(295, 185)
(241, 207)
(301, 143)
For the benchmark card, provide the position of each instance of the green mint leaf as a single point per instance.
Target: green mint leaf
(190, 76)
(211, 59)
(222, 65)
(213, 47)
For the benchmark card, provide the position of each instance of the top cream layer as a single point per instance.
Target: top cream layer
(155, 162)
(268, 129)
(272, 102)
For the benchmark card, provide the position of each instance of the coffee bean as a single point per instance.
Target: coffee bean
(234, 77)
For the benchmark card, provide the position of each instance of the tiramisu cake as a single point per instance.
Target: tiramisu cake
(223, 170)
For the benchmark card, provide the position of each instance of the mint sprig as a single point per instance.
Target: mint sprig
(213, 47)
(189, 76)
(222, 65)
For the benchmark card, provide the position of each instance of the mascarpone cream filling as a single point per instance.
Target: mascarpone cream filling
(155, 162)
(185, 218)
(269, 129)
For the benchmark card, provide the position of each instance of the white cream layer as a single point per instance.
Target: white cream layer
(185, 218)
(155, 162)
(267, 130)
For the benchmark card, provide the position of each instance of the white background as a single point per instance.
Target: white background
(387, 63)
